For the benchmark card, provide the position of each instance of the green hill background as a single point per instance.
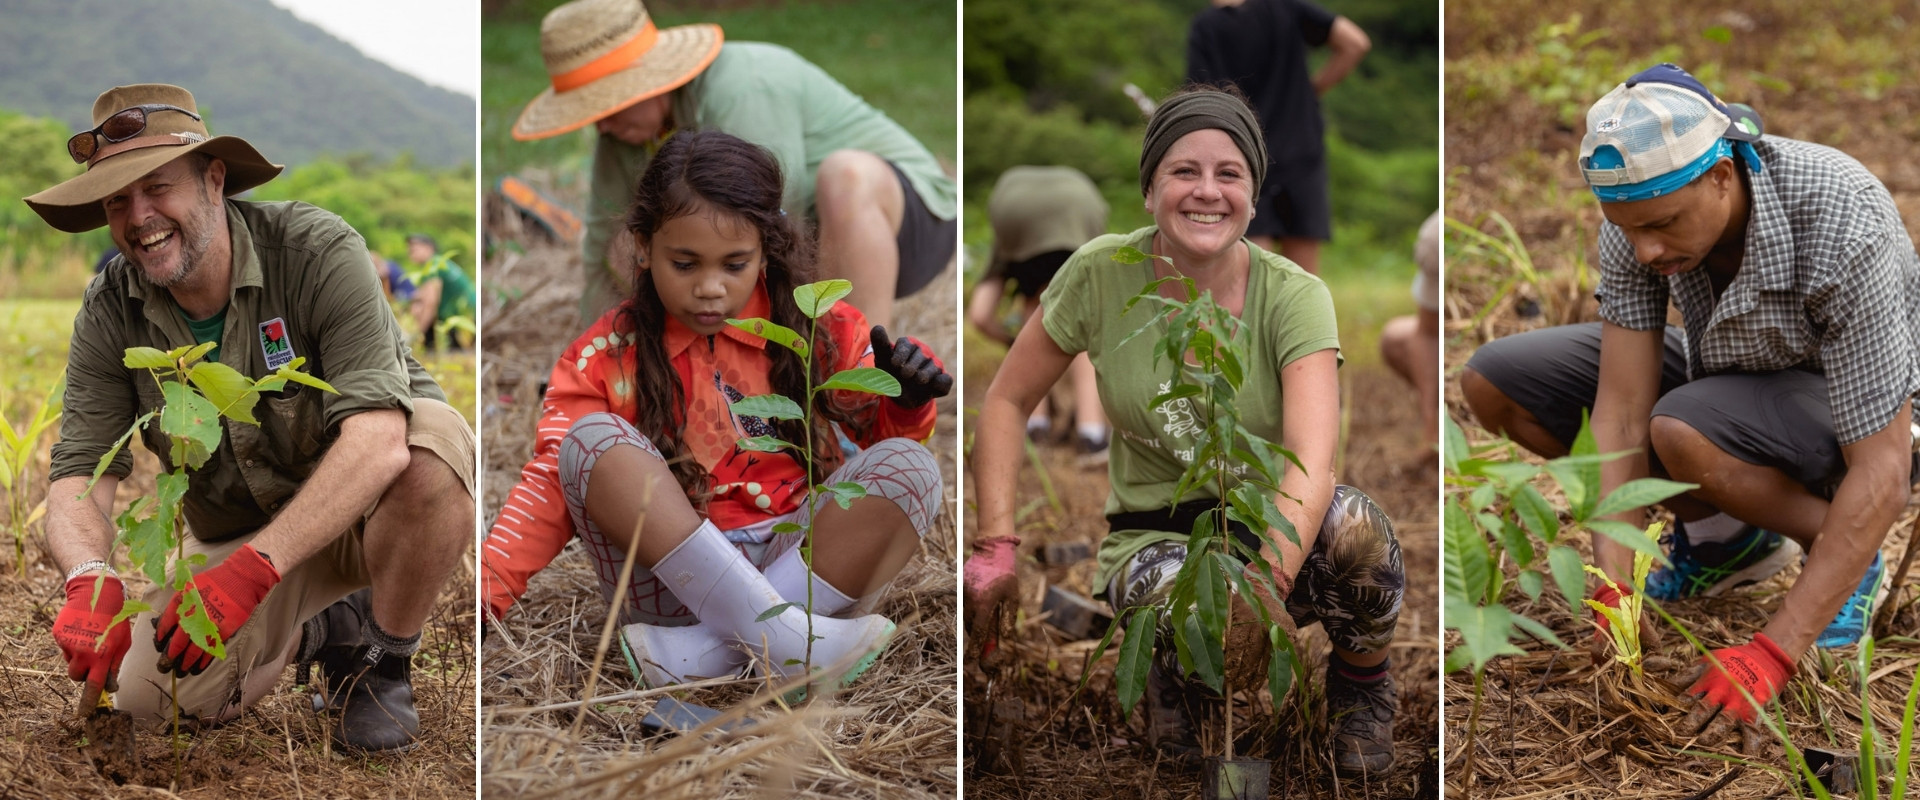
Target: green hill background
(255, 70)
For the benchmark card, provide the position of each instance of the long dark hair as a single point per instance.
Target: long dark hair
(727, 174)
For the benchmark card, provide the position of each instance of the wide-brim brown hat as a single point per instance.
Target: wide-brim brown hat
(74, 206)
(605, 55)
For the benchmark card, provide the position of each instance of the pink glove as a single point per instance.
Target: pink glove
(229, 592)
(1760, 666)
(78, 629)
(990, 585)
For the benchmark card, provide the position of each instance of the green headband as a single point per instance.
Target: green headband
(1194, 111)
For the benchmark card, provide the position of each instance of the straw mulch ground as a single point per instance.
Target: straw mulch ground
(891, 735)
(1026, 735)
(1519, 75)
(278, 749)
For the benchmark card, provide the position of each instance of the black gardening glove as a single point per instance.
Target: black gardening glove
(921, 375)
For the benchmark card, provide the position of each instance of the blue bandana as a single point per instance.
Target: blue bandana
(1606, 157)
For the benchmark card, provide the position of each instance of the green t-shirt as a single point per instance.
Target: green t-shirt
(207, 330)
(456, 289)
(1288, 313)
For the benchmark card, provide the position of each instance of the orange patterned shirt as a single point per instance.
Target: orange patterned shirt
(595, 374)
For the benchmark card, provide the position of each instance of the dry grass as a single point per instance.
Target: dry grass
(890, 735)
(1551, 724)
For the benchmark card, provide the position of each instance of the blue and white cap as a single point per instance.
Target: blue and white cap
(1659, 131)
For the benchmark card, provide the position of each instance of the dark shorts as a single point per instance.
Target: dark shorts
(1778, 419)
(926, 242)
(1294, 203)
(1032, 275)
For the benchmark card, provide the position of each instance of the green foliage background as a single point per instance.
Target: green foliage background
(1043, 87)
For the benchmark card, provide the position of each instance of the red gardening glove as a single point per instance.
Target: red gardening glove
(922, 377)
(1760, 666)
(1610, 597)
(81, 622)
(228, 593)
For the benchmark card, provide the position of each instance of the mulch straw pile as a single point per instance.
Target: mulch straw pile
(891, 735)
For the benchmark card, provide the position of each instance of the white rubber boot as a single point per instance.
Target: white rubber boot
(728, 595)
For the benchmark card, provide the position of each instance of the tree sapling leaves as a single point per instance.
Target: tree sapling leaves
(845, 492)
(146, 358)
(818, 297)
(232, 393)
(773, 332)
(768, 406)
(871, 380)
(1136, 657)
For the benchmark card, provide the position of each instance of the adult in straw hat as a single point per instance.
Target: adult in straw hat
(370, 485)
(885, 208)
(1787, 397)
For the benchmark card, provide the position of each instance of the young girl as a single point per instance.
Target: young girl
(637, 437)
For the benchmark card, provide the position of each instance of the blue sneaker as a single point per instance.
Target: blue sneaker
(1709, 568)
(1852, 620)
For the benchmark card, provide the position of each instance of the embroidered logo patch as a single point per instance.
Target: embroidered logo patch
(274, 343)
(1607, 125)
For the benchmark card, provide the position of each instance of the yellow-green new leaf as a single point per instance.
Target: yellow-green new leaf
(818, 297)
(229, 391)
(146, 358)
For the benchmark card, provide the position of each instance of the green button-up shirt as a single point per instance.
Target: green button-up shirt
(300, 280)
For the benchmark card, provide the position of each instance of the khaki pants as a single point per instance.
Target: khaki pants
(337, 570)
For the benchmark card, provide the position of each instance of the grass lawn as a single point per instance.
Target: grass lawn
(897, 54)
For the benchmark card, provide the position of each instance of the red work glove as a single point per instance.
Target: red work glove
(922, 377)
(1760, 666)
(77, 630)
(1610, 597)
(228, 593)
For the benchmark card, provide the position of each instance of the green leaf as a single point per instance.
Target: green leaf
(1177, 392)
(1086, 671)
(149, 546)
(292, 373)
(774, 612)
(845, 492)
(1538, 630)
(1236, 573)
(229, 391)
(768, 406)
(188, 416)
(146, 358)
(764, 444)
(199, 627)
(818, 297)
(1573, 483)
(1719, 33)
(129, 610)
(1532, 583)
(1207, 654)
(1136, 658)
(1536, 513)
(106, 459)
(195, 353)
(871, 380)
(1513, 538)
(1279, 664)
(1486, 632)
(780, 528)
(1210, 598)
(1639, 494)
(1456, 447)
(1630, 536)
(1567, 573)
(1466, 559)
(1130, 255)
(772, 332)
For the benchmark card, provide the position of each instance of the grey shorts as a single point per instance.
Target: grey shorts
(926, 242)
(1778, 419)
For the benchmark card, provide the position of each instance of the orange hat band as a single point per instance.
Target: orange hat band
(614, 60)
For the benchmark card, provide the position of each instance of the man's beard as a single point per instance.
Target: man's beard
(196, 237)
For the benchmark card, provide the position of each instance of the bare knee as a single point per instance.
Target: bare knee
(849, 180)
(1676, 442)
(1491, 406)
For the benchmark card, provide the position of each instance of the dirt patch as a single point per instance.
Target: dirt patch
(890, 735)
(1027, 738)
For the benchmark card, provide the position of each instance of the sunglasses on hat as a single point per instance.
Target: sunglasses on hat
(123, 125)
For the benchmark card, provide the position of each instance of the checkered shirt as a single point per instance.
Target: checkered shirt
(1830, 284)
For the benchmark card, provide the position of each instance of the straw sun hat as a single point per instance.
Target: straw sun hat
(74, 206)
(605, 55)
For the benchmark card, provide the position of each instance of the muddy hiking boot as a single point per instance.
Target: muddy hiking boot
(367, 688)
(1360, 719)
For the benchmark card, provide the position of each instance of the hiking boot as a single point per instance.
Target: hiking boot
(1360, 716)
(1851, 623)
(369, 691)
(1709, 568)
(374, 702)
(1170, 713)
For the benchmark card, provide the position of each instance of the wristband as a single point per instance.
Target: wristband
(89, 566)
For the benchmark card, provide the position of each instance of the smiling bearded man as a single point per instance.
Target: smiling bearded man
(294, 517)
(1787, 398)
